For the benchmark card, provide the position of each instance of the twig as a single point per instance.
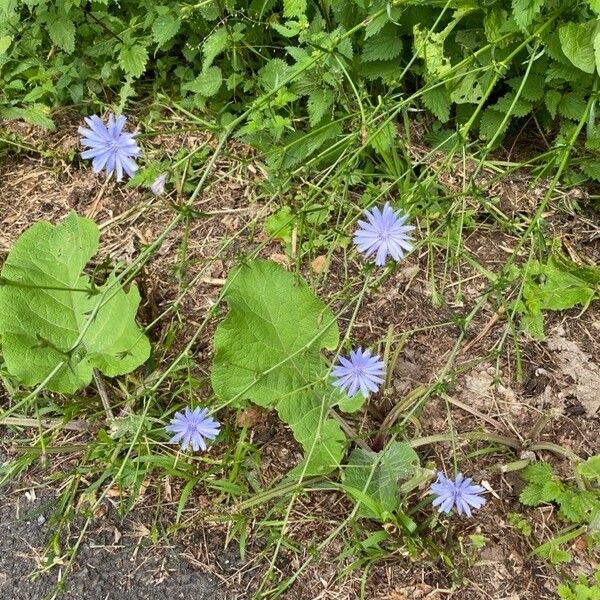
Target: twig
(103, 395)
(49, 423)
(91, 212)
(473, 411)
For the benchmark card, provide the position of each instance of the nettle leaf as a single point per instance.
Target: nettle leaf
(320, 100)
(552, 100)
(437, 101)
(532, 89)
(268, 350)
(469, 90)
(492, 125)
(577, 42)
(525, 11)
(165, 28)
(45, 323)
(386, 45)
(590, 469)
(376, 477)
(215, 44)
(572, 105)
(61, 30)
(559, 284)
(133, 59)
(294, 8)
(430, 48)
(208, 83)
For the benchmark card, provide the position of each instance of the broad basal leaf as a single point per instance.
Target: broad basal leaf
(373, 478)
(268, 350)
(45, 319)
(577, 42)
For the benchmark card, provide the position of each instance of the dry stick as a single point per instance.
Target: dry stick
(473, 411)
(91, 212)
(103, 395)
(48, 423)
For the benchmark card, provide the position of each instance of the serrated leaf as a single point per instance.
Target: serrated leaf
(531, 495)
(61, 30)
(552, 100)
(572, 106)
(216, 43)
(438, 102)
(268, 350)
(377, 476)
(37, 114)
(376, 24)
(539, 473)
(469, 90)
(525, 11)
(320, 101)
(42, 327)
(301, 146)
(165, 28)
(207, 84)
(273, 73)
(577, 42)
(559, 284)
(383, 138)
(490, 126)
(590, 469)
(386, 45)
(294, 8)
(430, 47)
(532, 89)
(515, 107)
(133, 59)
(591, 168)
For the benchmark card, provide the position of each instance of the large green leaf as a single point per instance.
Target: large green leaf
(373, 478)
(45, 322)
(577, 42)
(267, 350)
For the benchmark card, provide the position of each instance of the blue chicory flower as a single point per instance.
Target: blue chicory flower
(383, 233)
(111, 148)
(192, 427)
(362, 371)
(460, 494)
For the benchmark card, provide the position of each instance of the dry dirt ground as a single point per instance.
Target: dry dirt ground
(119, 558)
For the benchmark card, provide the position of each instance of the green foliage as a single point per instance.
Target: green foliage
(373, 478)
(558, 284)
(319, 62)
(579, 506)
(581, 589)
(55, 321)
(268, 350)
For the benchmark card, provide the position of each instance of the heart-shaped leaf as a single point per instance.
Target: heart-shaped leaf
(53, 321)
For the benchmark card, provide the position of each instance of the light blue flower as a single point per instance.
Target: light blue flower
(362, 371)
(110, 148)
(383, 233)
(192, 427)
(460, 494)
